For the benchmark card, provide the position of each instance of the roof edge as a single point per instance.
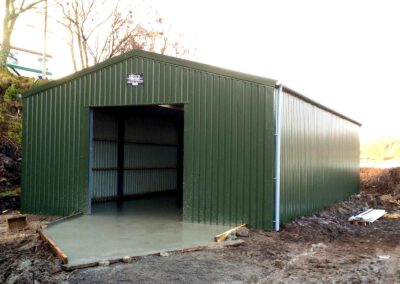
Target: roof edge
(306, 99)
(157, 57)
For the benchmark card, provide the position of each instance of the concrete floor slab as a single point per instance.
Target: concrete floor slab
(133, 228)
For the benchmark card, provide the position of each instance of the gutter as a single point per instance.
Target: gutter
(278, 128)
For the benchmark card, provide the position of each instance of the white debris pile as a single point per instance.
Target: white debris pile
(368, 216)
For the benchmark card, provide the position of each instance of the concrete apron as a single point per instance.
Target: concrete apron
(133, 228)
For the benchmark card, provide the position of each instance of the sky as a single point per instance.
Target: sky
(343, 54)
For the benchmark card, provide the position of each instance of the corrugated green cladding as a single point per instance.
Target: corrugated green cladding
(229, 152)
(319, 158)
(228, 136)
(55, 151)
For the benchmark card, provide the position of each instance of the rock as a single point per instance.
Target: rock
(57, 262)
(28, 246)
(249, 253)
(397, 190)
(10, 166)
(18, 277)
(231, 237)
(371, 198)
(164, 253)
(104, 263)
(342, 211)
(23, 265)
(279, 264)
(243, 232)
(385, 198)
(127, 259)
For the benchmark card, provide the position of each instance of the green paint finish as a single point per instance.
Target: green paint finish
(319, 158)
(228, 140)
(228, 136)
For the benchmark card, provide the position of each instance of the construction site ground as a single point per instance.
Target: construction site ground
(321, 248)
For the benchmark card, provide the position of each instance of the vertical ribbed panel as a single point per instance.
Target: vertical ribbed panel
(55, 164)
(150, 156)
(104, 184)
(320, 158)
(104, 155)
(104, 126)
(229, 146)
(150, 130)
(104, 169)
(228, 136)
(147, 181)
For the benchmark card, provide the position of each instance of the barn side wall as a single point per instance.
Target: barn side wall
(319, 158)
(228, 136)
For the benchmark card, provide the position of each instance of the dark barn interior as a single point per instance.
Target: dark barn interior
(137, 154)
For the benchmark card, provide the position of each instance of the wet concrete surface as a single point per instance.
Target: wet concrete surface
(132, 228)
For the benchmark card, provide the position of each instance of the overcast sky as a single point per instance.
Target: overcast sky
(344, 54)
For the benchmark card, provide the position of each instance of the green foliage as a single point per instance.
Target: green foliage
(10, 115)
(11, 193)
(11, 106)
(12, 94)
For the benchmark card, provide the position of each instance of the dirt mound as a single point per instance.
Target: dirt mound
(328, 224)
(9, 202)
(380, 181)
(24, 258)
(380, 189)
(382, 186)
(27, 261)
(10, 164)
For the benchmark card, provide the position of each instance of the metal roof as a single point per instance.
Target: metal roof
(304, 98)
(157, 57)
(183, 63)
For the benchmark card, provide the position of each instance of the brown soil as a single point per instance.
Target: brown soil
(10, 163)
(322, 248)
(380, 181)
(23, 256)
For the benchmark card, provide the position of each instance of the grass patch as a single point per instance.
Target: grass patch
(10, 192)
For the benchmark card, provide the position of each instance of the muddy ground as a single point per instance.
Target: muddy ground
(322, 248)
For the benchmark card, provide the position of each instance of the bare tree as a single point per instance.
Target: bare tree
(95, 35)
(13, 9)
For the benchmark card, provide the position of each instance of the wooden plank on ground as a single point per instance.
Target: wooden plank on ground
(209, 246)
(58, 252)
(359, 223)
(17, 223)
(392, 216)
(233, 243)
(222, 237)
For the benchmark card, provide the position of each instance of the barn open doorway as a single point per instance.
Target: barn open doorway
(136, 160)
(135, 195)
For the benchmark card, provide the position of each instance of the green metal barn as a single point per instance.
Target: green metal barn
(230, 148)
